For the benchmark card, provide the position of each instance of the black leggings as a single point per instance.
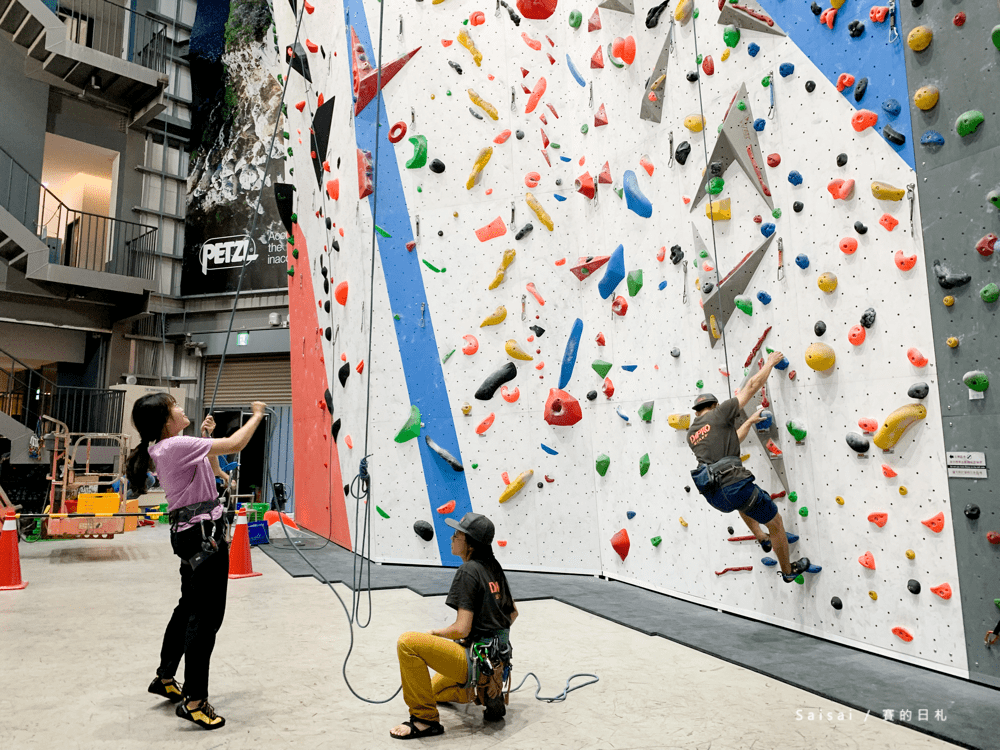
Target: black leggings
(198, 615)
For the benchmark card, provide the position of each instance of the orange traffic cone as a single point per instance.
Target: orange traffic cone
(272, 517)
(10, 559)
(240, 565)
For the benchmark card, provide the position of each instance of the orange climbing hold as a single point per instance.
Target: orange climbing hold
(661, 253)
(532, 179)
(333, 189)
(502, 138)
(916, 358)
(878, 13)
(867, 560)
(534, 293)
(447, 508)
(935, 524)
(312, 46)
(827, 17)
(533, 43)
(496, 228)
(888, 471)
(585, 186)
(905, 262)
(879, 519)
(599, 339)
(621, 544)
(340, 293)
(562, 409)
(471, 344)
(485, 424)
(863, 118)
(360, 368)
(903, 634)
(646, 164)
(536, 94)
(841, 189)
(856, 335)
(944, 590)
(888, 221)
(609, 388)
(844, 81)
(510, 396)
(868, 425)
(848, 245)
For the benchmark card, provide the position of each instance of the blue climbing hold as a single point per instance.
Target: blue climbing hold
(814, 568)
(634, 198)
(663, 285)
(614, 273)
(630, 514)
(792, 538)
(795, 177)
(558, 197)
(891, 107)
(767, 419)
(802, 261)
(786, 69)
(569, 354)
(550, 451)
(753, 49)
(566, 158)
(575, 72)
(769, 561)
(622, 414)
(767, 229)
(764, 297)
(759, 124)
(782, 365)
(932, 138)
(629, 368)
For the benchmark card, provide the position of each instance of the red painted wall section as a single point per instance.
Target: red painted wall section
(320, 505)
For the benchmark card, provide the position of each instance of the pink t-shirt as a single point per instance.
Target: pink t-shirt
(186, 475)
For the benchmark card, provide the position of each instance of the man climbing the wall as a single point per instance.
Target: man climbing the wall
(721, 477)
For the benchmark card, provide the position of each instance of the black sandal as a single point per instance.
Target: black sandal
(434, 729)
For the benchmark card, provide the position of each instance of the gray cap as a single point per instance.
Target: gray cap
(478, 527)
(705, 399)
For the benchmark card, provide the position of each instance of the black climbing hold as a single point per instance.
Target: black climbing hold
(682, 152)
(296, 54)
(328, 333)
(510, 12)
(947, 279)
(913, 585)
(858, 443)
(524, 231)
(326, 286)
(810, 86)
(675, 352)
(519, 134)
(336, 245)
(820, 328)
(687, 487)
(319, 138)
(424, 530)
(591, 395)
(918, 390)
(475, 114)
(816, 9)
(328, 397)
(893, 136)
(489, 387)
(343, 372)
(868, 317)
(335, 430)
(730, 530)
(347, 490)
(692, 75)
(338, 162)
(798, 206)
(326, 306)
(540, 485)
(841, 160)
(448, 458)
(440, 233)
(538, 330)
(437, 166)
(860, 87)
(707, 287)
(715, 168)
(836, 603)
(855, 29)
(676, 254)
(329, 223)
(916, 3)
(653, 14)
(323, 271)
(456, 66)
(558, 182)
(972, 512)
(860, 228)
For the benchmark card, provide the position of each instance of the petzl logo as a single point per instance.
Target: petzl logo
(227, 252)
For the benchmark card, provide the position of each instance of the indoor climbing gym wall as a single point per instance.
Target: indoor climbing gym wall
(571, 220)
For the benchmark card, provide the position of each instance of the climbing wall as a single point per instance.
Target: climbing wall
(723, 194)
(960, 224)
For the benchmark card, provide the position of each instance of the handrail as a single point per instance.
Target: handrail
(11, 357)
(116, 30)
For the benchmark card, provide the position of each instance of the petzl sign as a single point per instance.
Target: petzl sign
(214, 267)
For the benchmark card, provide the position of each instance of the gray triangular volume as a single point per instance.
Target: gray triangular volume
(622, 6)
(652, 109)
(772, 433)
(721, 301)
(751, 19)
(737, 142)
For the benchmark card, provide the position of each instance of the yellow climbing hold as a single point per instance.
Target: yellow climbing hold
(683, 522)
(679, 421)
(836, 3)
(480, 164)
(494, 318)
(683, 11)
(903, 490)
(465, 39)
(694, 123)
(920, 38)
(505, 261)
(897, 423)
(952, 341)
(840, 500)
(744, 457)
(713, 325)
(719, 210)
(516, 486)
(926, 97)
(873, 595)
(886, 192)
(948, 301)
(827, 281)
(516, 351)
(725, 54)
(484, 105)
(540, 212)
(910, 554)
(820, 356)
(466, 408)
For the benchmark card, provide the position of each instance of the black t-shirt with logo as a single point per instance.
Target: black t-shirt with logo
(474, 589)
(712, 436)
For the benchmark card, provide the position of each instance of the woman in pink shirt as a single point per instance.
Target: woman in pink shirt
(187, 467)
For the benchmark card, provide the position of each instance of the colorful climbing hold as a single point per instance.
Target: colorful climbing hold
(935, 523)
(897, 423)
(919, 38)
(968, 122)
(602, 463)
(820, 356)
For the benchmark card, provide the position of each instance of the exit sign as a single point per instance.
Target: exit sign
(243, 338)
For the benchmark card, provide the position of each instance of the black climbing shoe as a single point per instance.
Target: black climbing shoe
(203, 715)
(765, 544)
(799, 567)
(169, 690)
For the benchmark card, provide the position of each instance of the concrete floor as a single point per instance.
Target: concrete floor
(79, 646)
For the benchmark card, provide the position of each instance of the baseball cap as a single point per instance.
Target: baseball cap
(705, 399)
(474, 525)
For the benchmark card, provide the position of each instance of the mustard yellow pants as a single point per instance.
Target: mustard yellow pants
(418, 654)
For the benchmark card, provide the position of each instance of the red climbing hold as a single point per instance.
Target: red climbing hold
(848, 246)
(772, 448)
(903, 634)
(312, 46)
(993, 537)
(888, 221)
(935, 524)
(879, 519)
(549, 479)
(878, 13)
(601, 118)
(597, 59)
(863, 118)
(827, 17)
(646, 164)
(333, 189)
(360, 367)
(397, 131)
(562, 409)
(959, 19)
(841, 189)
(628, 51)
(595, 21)
(485, 424)
(308, 8)
(502, 138)
(532, 179)
(510, 396)
(987, 245)
(888, 471)
(856, 335)
(868, 425)
(708, 65)
(496, 228)
(620, 541)
(905, 262)
(545, 139)
(411, 245)
(301, 105)
(619, 306)
(536, 94)
(867, 560)
(585, 185)
(447, 508)
(609, 388)
(844, 81)
(366, 174)
(533, 43)
(773, 160)
(600, 339)
(340, 293)
(916, 358)
(604, 178)
(944, 590)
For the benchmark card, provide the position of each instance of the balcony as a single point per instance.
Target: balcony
(96, 49)
(51, 243)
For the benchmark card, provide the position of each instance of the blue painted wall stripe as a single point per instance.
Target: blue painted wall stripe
(417, 345)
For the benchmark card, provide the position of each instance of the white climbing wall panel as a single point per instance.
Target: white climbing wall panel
(567, 524)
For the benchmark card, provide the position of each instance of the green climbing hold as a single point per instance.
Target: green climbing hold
(700, 384)
(731, 36)
(741, 106)
(475, 466)
(635, 282)
(295, 218)
(447, 356)
(646, 411)
(744, 304)
(290, 240)
(776, 213)
(990, 292)
(997, 601)
(657, 539)
(295, 253)
(803, 511)
(976, 380)
(584, 128)
(396, 317)
(419, 157)
(620, 191)
(715, 185)
(554, 145)
(800, 579)
(448, 92)
(381, 512)
(291, 271)
(281, 80)
(434, 268)
(603, 462)
(995, 35)
(411, 429)
(420, 189)
(796, 429)
(968, 122)
(703, 254)
(601, 367)
(698, 59)
(643, 465)
(793, 496)
(465, 22)
(765, 81)
(289, 150)
(381, 231)
(575, 18)
(696, 13)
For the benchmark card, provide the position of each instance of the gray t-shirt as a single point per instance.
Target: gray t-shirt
(712, 436)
